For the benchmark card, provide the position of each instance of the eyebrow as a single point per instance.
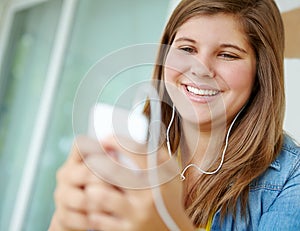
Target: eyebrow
(224, 45)
(185, 39)
(229, 45)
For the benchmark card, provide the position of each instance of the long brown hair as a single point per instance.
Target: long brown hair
(257, 136)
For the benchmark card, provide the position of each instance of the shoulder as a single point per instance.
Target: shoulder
(291, 147)
(285, 166)
(278, 190)
(274, 197)
(288, 160)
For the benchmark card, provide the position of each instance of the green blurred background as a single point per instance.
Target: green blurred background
(96, 28)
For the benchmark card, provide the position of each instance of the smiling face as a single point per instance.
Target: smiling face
(210, 69)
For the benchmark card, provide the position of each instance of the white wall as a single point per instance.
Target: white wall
(286, 5)
(292, 81)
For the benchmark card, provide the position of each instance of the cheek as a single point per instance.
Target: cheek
(177, 63)
(240, 79)
(171, 75)
(170, 81)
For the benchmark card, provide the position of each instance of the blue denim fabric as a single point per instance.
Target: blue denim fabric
(274, 198)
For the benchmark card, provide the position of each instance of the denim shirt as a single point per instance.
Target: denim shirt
(274, 197)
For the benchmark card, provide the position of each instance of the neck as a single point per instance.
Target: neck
(201, 146)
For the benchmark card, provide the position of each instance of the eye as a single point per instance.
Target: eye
(188, 49)
(228, 56)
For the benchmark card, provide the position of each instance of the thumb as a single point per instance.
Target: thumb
(82, 147)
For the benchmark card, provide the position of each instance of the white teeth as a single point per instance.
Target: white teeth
(201, 92)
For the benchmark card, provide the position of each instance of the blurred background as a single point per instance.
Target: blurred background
(46, 48)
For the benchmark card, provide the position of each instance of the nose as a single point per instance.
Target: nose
(200, 69)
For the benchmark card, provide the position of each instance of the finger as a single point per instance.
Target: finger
(116, 174)
(122, 175)
(76, 174)
(139, 153)
(106, 222)
(72, 198)
(84, 146)
(72, 220)
(120, 147)
(107, 199)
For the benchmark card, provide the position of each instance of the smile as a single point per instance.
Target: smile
(201, 92)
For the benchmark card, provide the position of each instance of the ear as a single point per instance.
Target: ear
(291, 20)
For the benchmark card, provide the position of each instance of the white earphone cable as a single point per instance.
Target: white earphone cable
(194, 165)
(168, 131)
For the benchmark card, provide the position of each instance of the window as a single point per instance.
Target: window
(51, 46)
(23, 75)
